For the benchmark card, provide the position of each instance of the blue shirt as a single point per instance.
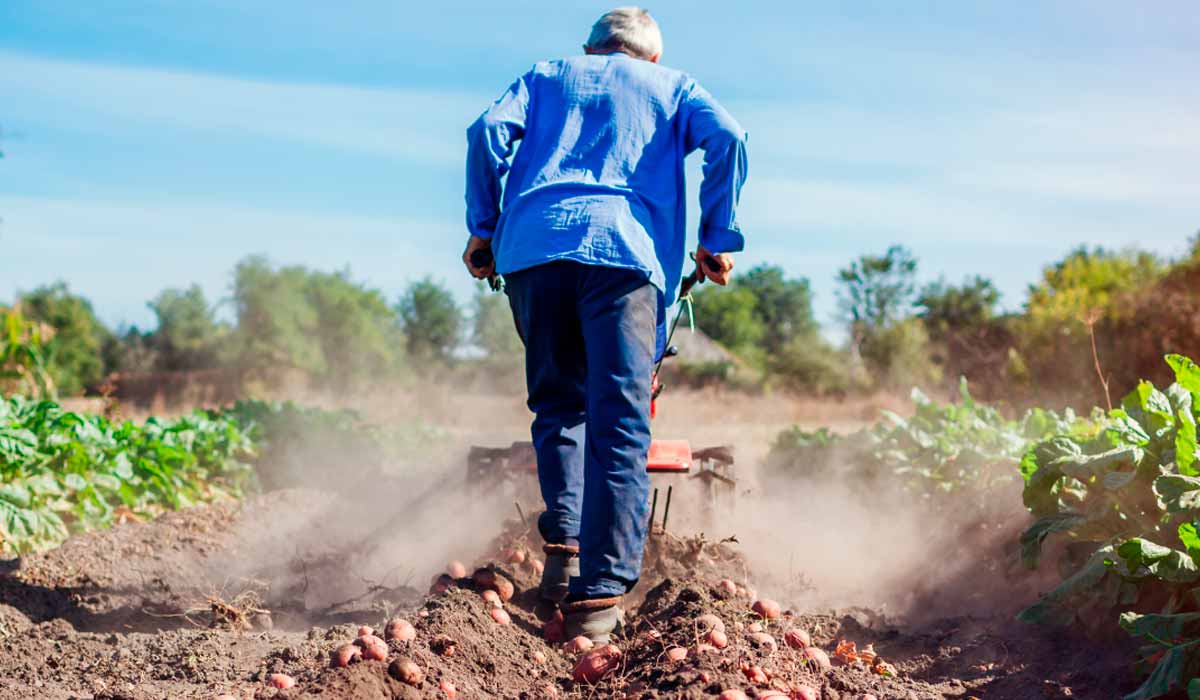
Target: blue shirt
(599, 176)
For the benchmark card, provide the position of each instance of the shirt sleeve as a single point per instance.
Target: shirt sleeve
(490, 141)
(714, 131)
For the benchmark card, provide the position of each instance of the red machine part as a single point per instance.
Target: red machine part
(669, 456)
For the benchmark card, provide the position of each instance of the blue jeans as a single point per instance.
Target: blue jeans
(589, 335)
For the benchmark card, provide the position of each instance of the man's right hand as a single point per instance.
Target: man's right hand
(475, 243)
(716, 268)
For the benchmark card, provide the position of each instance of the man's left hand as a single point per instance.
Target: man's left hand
(473, 244)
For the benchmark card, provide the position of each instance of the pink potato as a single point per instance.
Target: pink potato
(718, 639)
(364, 630)
(755, 674)
(764, 640)
(797, 639)
(578, 645)
(596, 664)
(726, 588)
(500, 616)
(537, 566)
(539, 658)
(754, 627)
(400, 630)
(708, 622)
(516, 555)
(406, 671)
(345, 655)
(373, 648)
(766, 609)
(281, 680)
(805, 692)
(676, 654)
(554, 630)
(732, 694)
(448, 688)
(456, 569)
(868, 696)
(819, 657)
(703, 648)
(491, 597)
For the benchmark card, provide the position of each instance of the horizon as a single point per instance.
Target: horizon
(155, 148)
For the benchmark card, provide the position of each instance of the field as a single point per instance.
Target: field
(893, 542)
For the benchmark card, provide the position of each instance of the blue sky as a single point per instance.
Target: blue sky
(153, 144)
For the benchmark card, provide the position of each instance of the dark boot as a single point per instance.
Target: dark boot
(597, 618)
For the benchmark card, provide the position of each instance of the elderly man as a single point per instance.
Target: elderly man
(588, 232)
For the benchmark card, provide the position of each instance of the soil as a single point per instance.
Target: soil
(189, 606)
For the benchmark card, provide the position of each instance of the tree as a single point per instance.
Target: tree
(876, 295)
(431, 320)
(75, 352)
(784, 306)
(946, 308)
(730, 316)
(188, 334)
(1089, 281)
(339, 332)
(877, 290)
(493, 330)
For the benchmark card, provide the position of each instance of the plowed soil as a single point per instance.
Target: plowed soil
(188, 606)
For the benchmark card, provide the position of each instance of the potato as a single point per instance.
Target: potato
(805, 692)
(442, 584)
(448, 688)
(732, 694)
(596, 664)
(550, 690)
(456, 569)
(718, 639)
(373, 648)
(708, 622)
(400, 630)
(554, 630)
(868, 696)
(281, 680)
(406, 671)
(797, 639)
(345, 655)
(484, 577)
(703, 648)
(676, 654)
(364, 630)
(819, 657)
(754, 627)
(578, 645)
(500, 616)
(705, 677)
(763, 640)
(491, 597)
(772, 693)
(755, 674)
(538, 658)
(537, 566)
(766, 609)
(515, 555)
(504, 587)
(726, 588)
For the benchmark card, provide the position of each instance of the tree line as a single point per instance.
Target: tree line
(343, 334)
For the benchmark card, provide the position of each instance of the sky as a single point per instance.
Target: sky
(154, 144)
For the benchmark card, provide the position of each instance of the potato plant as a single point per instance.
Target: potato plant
(1124, 496)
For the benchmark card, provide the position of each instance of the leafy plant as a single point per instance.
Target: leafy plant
(1115, 491)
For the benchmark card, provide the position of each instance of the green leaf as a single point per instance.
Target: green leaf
(1032, 538)
(1190, 537)
(1193, 689)
(1168, 675)
(1179, 493)
(1187, 373)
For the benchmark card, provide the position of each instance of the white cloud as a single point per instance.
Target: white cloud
(426, 125)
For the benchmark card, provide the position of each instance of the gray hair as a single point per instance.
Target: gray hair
(630, 30)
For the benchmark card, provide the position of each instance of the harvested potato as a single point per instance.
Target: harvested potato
(766, 609)
(345, 655)
(281, 680)
(819, 657)
(406, 671)
(797, 639)
(373, 648)
(400, 630)
(596, 664)
(456, 569)
(500, 616)
(676, 654)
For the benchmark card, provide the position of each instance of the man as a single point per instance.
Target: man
(590, 241)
